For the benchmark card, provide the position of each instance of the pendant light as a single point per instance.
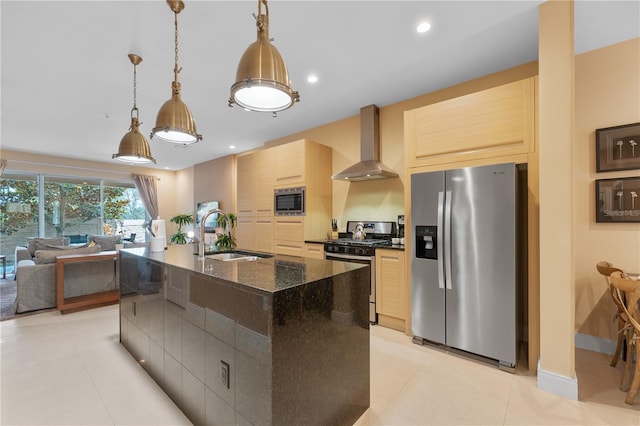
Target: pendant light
(174, 122)
(134, 147)
(262, 81)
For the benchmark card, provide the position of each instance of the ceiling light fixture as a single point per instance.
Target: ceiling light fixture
(423, 27)
(262, 81)
(174, 122)
(134, 148)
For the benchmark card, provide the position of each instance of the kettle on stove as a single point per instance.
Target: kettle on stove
(358, 233)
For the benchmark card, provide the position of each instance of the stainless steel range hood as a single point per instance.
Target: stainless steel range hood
(369, 167)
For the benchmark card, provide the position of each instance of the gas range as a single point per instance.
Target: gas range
(355, 247)
(379, 234)
(369, 242)
(345, 248)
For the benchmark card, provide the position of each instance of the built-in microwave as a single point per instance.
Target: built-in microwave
(289, 201)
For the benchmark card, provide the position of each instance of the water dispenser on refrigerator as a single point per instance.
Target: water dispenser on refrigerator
(426, 242)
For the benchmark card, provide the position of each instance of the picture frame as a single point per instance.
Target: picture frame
(618, 148)
(617, 200)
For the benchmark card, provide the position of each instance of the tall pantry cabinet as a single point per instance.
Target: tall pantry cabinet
(259, 173)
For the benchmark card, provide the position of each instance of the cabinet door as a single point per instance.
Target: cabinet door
(265, 172)
(494, 122)
(390, 285)
(291, 248)
(290, 229)
(315, 251)
(245, 235)
(246, 181)
(264, 234)
(290, 165)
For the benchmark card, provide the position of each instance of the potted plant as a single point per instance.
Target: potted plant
(226, 241)
(180, 220)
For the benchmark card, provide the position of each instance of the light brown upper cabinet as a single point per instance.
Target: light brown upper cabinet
(491, 123)
(290, 163)
(246, 184)
(265, 179)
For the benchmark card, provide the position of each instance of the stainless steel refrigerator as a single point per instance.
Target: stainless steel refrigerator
(463, 265)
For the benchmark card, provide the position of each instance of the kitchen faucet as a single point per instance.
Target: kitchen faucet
(202, 227)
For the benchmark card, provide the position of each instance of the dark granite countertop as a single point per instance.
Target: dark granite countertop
(316, 241)
(270, 274)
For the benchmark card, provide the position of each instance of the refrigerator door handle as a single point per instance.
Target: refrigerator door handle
(440, 255)
(447, 239)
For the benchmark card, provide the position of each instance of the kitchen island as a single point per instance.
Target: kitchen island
(280, 340)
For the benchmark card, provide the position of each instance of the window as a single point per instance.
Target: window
(72, 207)
(19, 201)
(123, 210)
(49, 206)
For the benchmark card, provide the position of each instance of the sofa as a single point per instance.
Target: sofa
(36, 271)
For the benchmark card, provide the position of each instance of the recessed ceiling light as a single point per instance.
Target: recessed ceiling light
(423, 27)
(312, 78)
(232, 147)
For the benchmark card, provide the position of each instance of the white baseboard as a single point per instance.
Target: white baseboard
(566, 386)
(557, 384)
(595, 344)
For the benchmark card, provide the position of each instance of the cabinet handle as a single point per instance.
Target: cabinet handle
(288, 177)
(290, 246)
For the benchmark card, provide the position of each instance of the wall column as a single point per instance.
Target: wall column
(556, 366)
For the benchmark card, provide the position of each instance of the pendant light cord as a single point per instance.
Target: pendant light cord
(176, 70)
(260, 20)
(135, 86)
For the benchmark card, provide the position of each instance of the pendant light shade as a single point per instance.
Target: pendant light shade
(174, 122)
(134, 147)
(262, 81)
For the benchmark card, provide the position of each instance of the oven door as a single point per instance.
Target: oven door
(365, 260)
(289, 202)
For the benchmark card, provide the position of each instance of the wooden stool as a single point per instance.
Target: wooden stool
(606, 269)
(631, 308)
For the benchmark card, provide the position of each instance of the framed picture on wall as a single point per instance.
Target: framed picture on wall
(618, 148)
(617, 200)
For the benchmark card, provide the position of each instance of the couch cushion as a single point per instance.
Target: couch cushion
(69, 247)
(107, 242)
(49, 255)
(34, 243)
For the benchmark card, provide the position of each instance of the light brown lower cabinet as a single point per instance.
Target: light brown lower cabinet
(264, 234)
(390, 288)
(314, 251)
(292, 248)
(245, 233)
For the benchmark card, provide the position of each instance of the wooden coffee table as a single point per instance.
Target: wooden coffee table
(78, 303)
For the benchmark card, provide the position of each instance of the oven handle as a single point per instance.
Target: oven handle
(328, 255)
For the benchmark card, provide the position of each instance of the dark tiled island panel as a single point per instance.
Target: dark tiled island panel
(296, 355)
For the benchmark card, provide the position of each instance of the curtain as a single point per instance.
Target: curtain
(3, 164)
(148, 192)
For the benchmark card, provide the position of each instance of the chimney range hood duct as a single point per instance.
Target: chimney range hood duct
(369, 167)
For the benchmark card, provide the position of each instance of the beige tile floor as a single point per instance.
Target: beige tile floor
(71, 370)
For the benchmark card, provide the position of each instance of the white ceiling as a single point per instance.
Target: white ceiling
(67, 81)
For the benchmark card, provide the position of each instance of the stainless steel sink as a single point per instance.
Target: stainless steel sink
(234, 256)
